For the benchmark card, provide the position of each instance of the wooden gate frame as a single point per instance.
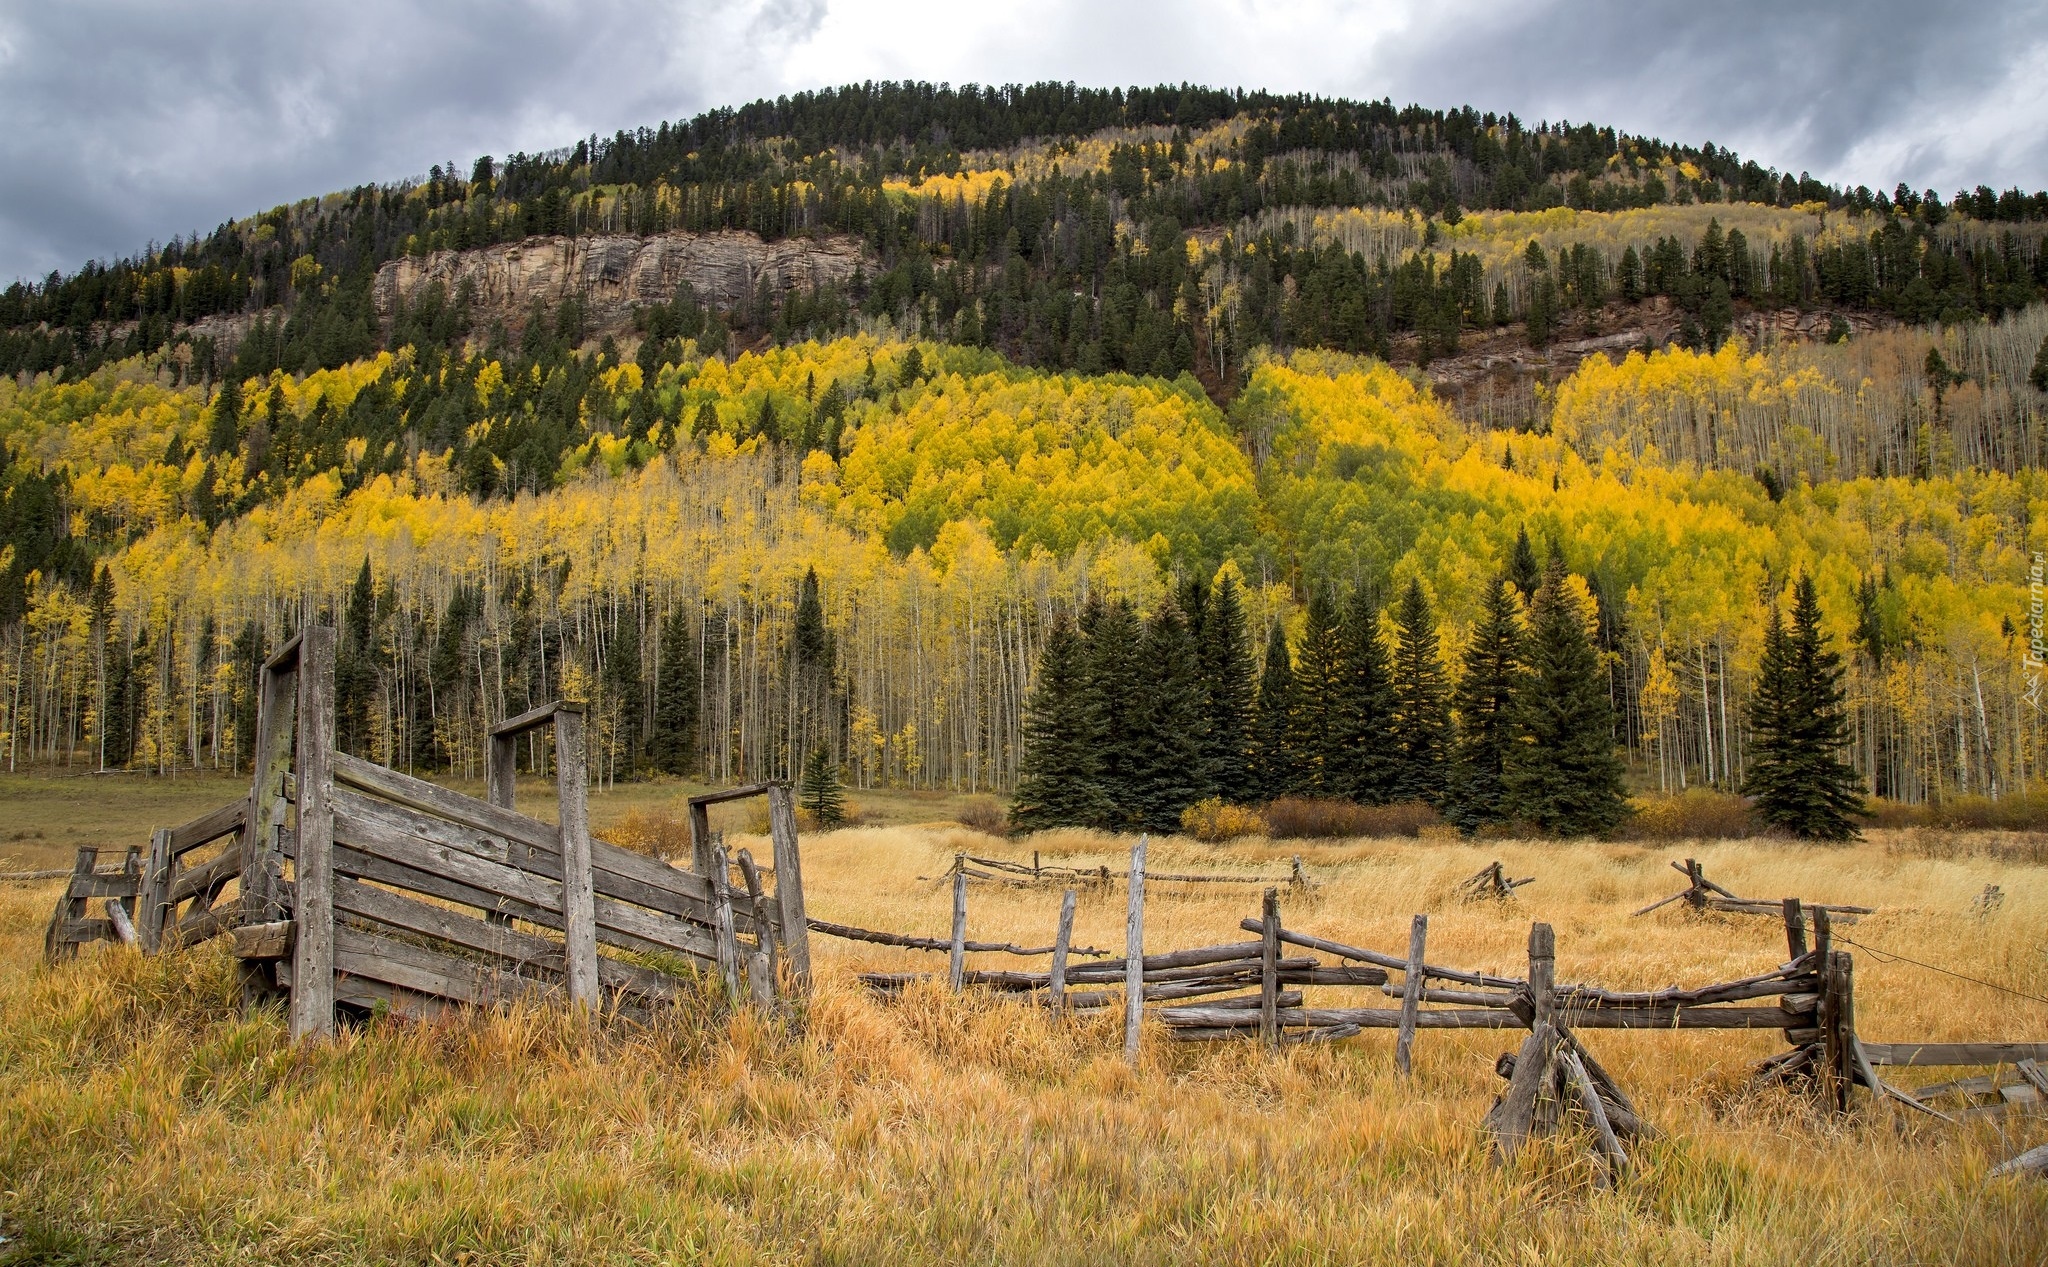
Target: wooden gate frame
(789, 881)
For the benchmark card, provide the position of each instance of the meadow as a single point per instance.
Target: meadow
(143, 1117)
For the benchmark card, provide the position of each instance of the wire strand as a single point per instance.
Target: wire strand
(1887, 956)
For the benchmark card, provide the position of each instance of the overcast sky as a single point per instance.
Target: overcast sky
(128, 121)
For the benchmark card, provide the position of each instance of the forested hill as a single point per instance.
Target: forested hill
(1151, 230)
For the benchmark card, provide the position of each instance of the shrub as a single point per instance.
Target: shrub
(1329, 817)
(652, 832)
(984, 814)
(1698, 813)
(1214, 821)
(2024, 812)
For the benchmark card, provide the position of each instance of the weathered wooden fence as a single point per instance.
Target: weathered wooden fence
(359, 888)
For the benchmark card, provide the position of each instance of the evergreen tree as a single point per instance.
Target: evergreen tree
(673, 745)
(224, 418)
(1323, 724)
(1563, 773)
(1421, 713)
(2038, 376)
(1115, 690)
(1485, 703)
(1274, 770)
(1796, 772)
(1226, 673)
(812, 672)
(1057, 772)
(819, 792)
(355, 666)
(1167, 734)
(1368, 758)
(1522, 569)
(623, 686)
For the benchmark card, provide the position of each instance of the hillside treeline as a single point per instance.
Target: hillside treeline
(967, 506)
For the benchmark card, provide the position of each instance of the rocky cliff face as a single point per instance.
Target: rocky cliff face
(611, 276)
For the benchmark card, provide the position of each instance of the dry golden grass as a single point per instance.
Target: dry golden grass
(143, 1119)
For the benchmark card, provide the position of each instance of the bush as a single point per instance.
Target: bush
(1213, 821)
(1698, 813)
(984, 814)
(656, 834)
(1329, 817)
(2025, 812)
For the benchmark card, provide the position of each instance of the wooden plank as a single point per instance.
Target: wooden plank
(956, 955)
(722, 928)
(789, 885)
(156, 876)
(513, 727)
(485, 884)
(729, 794)
(266, 941)
(1134, 953)
(1596, 1112)
(700, 841)
(312, 1002)
(202, 926)
(440, 802)
(1411, 992)
(1364, 1017)
(1062, 940)
(208, 827)
(1542, 974)
(84, 930)
(765, 937)
(1512, 1120)
(579, 898)
(261, 899)
(206, 880)
(103, 884)
(1269, 970)
(368, 956)
(1943, 1054)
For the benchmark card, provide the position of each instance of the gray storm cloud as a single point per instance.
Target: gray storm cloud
(128, 123)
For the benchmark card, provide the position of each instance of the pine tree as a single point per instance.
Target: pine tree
(819, 790)
(224, 418)
(1368, 757)
(673, 745)
(1421, 714)
(1796, 772)
(1274, 770)
(623, 685)
(355, 667)
(1322, 740)
(1522, 568)
(1563, 774)
(1057, 772)
(1226, 672)
(2038, 376)
(1485, 703)
(1115, 691)
(1166, 731)
(812, 672)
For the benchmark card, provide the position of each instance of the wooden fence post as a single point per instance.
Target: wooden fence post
(1269, 972)
(1411, 995)
(1795, 929)
(156, 887)
(312, 996)
(956, 960)
(700, 839)
(579, 902)
(1542, 974)
(501, 788)
(789, 885)
(1062, 939)
(724, 939)
(1134, 953)
(277, 704)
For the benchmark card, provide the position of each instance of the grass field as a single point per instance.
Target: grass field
(143, 1119)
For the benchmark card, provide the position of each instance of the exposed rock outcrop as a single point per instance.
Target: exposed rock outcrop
(611, 276)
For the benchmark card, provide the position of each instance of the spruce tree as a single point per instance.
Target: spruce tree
(1166, 732)
(1368, 758)
(1563, 773)
(1796, 772)
(1485, 703)
(1275, 772)
(224, 418)
(355, 667)
(2038, 376)
(819, 792)
(1115, 691)
(1057, 772)
(1226, 671)
(673, 745)
(1322, 717)
(1421, 714)
(623, 685)
(1522, 568)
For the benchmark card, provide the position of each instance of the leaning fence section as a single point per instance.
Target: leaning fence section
(350, 887)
